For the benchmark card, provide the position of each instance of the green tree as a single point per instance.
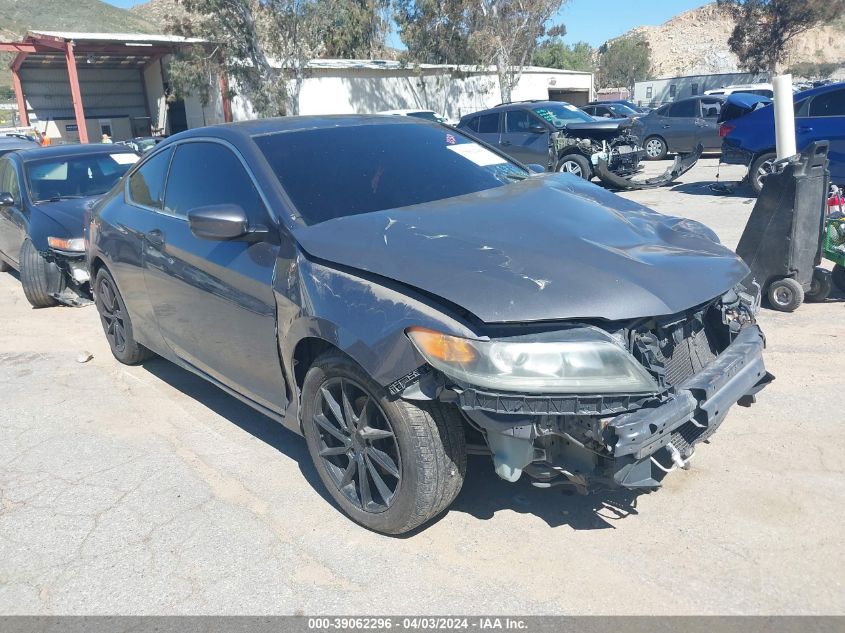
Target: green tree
(264, 46)
(554, 53)
(624, 61)
(436, 31)
(764, 28)
(505, 34)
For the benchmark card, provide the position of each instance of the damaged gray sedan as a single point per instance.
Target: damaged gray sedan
(401, 296)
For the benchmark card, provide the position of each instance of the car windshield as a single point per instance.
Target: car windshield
(76, 176)
(621, 109)
(562, 114)
(340, 171)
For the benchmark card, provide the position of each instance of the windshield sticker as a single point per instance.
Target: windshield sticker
(479, 155)
(548, 116)
(124, 159)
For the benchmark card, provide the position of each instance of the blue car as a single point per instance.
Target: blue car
(750, 138)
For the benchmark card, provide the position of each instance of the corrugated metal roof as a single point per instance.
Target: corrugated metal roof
(123, 38)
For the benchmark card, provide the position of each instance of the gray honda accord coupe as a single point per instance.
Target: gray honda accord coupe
(402, 295)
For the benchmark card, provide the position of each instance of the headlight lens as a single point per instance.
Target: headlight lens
(76, 244)
(562, 366)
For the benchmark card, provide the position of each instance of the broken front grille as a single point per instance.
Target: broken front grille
(678, 350)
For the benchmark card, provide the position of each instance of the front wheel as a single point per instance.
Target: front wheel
(38, 277)
(576, 165)
(785, 295)
(116, 322)
(391, 465)
(655, 148)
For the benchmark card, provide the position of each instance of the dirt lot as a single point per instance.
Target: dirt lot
(144, 490)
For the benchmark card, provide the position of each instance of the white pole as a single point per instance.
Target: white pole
(784, 116)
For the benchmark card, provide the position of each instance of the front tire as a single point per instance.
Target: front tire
(117, 325)
(655, 148)
(785, 295)
(38, 276)
(389, 464)
(760, 168)
(576, 165)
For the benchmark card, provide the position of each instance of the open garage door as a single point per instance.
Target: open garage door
(575, 96)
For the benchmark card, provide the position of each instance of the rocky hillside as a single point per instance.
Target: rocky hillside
(158, 12)
(696, 42)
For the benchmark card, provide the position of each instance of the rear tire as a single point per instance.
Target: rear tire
(117, 325)
(655, 148)
(822, 285)
(785, 295)
(38, 275)
(760, 168)
(420, 457)
(838, 277)
(576, 165)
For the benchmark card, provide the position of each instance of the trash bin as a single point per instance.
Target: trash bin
(782, 241)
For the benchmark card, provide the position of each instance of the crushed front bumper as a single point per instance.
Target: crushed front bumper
(682, 164)
(618, 440)
(695, 411)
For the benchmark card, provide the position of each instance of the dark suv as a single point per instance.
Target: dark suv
(558, 136)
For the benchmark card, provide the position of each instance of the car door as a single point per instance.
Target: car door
(824, 119)
(525, 137)
(708, 127)
(486, 128)
(13, 219)
(213, 300)
(680, 126)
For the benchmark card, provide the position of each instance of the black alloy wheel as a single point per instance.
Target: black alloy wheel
(116, 322)
(357, 445)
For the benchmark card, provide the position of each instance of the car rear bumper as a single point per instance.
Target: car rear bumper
(733, 154)
(646, 440)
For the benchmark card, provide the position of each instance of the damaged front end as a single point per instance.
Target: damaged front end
(625, 416)
(614, 152)
(67, 276)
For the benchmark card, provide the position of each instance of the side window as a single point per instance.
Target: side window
(517, 121)
(686, 108)
(664, 111)
(204, 174)
(9, 180)
(472, 124)
(829, 104)
(710, 108)
(146, 185)
(488, 123)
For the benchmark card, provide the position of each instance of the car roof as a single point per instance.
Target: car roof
(16, 143)
(60, 151)
(515, 105)
(406, 111)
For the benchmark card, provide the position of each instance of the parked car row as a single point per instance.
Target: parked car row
(424, 297)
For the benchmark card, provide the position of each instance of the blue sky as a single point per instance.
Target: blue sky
(591, 21)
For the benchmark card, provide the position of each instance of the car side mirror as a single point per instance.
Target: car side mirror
(536, 129)
(222, 222)
(6, 199)
(535, 168)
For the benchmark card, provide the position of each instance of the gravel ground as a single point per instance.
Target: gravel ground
(144, 490)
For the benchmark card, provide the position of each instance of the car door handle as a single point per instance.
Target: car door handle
(505, 143)
(666, 126)
(155, 237)
(804, 129)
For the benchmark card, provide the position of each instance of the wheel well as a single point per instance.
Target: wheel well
(657, 136)
(304, 355)
(96, 265)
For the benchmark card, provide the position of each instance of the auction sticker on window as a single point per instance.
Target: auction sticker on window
(479, 155)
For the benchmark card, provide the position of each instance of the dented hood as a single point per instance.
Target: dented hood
(550, 247)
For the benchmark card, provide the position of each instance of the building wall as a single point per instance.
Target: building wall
(661, 89)
(365, 91)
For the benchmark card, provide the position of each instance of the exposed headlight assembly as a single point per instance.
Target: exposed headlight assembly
(73, 245)
(579, 361)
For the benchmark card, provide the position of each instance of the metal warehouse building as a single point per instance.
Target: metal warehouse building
(78, 86)
(656, 92)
